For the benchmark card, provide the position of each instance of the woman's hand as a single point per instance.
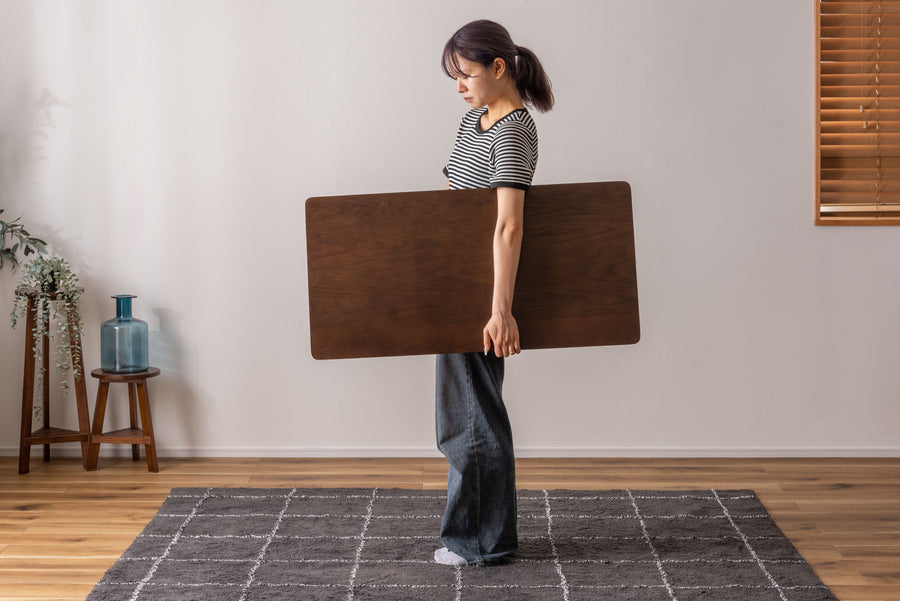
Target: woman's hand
(503, 331)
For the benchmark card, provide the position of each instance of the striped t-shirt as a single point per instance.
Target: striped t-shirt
(504, 156)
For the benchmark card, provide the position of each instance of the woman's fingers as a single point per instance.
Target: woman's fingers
(505, 337)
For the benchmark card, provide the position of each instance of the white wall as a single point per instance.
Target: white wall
(167, 147)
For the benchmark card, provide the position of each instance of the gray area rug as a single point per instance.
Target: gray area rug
(363, 544)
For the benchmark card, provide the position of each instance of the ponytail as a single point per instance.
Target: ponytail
(485, 41)
(531, 80)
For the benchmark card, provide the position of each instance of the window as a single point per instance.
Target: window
(858, 112)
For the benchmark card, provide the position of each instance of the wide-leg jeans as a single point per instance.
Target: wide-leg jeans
(474, 434)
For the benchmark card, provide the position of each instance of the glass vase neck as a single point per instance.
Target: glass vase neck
(123, 305)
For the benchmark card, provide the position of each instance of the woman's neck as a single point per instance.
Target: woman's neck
(501, 107)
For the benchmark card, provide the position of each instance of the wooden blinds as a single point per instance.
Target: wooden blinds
(858, 83)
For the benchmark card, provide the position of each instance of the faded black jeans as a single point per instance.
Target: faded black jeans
(474, 434)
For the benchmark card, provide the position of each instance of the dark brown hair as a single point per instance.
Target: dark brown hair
(483, 42)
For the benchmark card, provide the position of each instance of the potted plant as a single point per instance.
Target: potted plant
(19, 239)
(56, 295)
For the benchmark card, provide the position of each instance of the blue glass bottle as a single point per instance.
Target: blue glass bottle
(124, 340)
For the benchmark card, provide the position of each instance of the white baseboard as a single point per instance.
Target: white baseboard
(72, 450)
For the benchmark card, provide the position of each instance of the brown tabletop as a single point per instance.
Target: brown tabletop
(412, 273)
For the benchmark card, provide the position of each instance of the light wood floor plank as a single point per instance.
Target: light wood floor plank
(62, 527)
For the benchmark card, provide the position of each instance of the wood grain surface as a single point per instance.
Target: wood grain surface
(412, 273)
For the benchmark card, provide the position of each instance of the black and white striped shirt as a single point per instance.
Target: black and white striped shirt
(504, 156)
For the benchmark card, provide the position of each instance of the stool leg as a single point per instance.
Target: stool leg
(132, 411)
(97, 429)
(144, 402)
(81, 400)
(27, 391)
(84, 421)
(45, 400)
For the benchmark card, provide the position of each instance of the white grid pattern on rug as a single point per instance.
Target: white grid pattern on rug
(376, 544)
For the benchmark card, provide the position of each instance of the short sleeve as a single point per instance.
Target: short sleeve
(514, 156)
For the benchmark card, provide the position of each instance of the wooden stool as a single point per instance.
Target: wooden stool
(137, 391)
(48, 435)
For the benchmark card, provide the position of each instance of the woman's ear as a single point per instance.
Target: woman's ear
(499, 68)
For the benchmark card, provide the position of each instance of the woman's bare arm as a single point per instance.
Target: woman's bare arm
(502, 329)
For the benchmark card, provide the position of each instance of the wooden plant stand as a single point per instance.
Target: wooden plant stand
(47, 434)
(137, 395)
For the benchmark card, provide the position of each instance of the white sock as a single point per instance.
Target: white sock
(447, 557)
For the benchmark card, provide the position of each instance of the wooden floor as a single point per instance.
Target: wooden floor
(62, 527)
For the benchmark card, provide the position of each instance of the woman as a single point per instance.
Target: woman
(496, 147)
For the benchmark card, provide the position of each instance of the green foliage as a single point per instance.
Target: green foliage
(57, 298)
(19, 239)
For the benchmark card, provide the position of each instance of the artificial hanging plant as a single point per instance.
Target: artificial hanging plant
(57, 297)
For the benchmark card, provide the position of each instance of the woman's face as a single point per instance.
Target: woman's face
(479, 85)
